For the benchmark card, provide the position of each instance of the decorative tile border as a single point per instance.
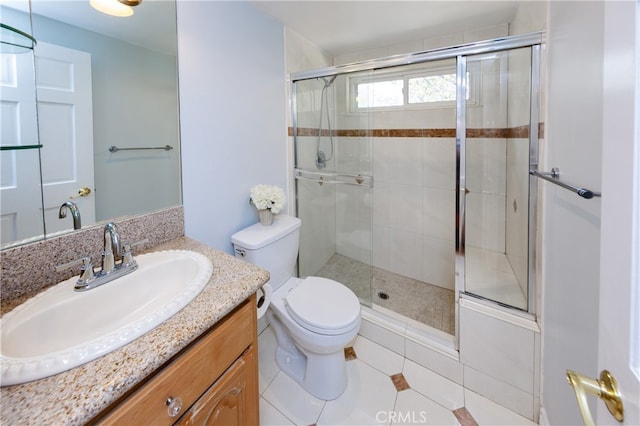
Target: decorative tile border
(501, 133)
(400, 382)
(464, 417)
(350, 353)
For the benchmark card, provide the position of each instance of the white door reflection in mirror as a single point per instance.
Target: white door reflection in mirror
(65, 118)
(20, 175)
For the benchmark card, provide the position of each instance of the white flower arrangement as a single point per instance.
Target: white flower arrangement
(269, 197)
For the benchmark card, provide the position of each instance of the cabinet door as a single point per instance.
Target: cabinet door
(191, 374)
(231, 399)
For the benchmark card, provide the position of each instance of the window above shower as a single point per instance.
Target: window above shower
(401, 89)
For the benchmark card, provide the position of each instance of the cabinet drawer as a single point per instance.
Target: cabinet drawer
(189, 375)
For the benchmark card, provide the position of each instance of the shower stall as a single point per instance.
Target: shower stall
(413, 177)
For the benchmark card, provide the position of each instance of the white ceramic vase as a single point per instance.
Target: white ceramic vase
(265, 216)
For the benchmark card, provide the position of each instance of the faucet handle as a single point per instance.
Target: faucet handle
(127, 257)
(86, 270)
(71, 264)
(139, 242)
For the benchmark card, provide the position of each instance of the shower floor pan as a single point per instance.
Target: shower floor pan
(423, 302)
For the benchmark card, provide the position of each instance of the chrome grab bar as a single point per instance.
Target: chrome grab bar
(322, 178)
(554, 177)
(114, 148)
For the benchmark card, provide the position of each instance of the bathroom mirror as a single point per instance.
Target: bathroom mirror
(107, 112)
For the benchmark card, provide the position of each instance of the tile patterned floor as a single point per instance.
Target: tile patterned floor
(371, 398)
(423, 302)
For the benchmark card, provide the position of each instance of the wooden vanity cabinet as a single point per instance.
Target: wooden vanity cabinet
(216, 379)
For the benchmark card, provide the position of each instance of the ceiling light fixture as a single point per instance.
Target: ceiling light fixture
(131, 2)
(120, 8)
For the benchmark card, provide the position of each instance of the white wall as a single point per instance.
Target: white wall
(571, 225)
(138, 108)
(530, 16)
(232, 109)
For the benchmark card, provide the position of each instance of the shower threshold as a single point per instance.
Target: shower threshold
(423, 302)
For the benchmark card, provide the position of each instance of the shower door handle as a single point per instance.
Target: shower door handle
(334, 178)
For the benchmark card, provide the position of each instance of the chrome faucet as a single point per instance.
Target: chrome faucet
(117, 261)
(75, 213)
(111, 251)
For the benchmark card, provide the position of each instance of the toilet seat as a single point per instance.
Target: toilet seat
(323, 306)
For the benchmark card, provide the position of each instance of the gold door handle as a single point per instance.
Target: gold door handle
(82, 192)
(606, 389)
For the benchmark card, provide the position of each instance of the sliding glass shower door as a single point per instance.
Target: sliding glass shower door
(495, 176)
(334, 185)
(412, 178)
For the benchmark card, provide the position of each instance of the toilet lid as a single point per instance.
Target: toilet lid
(323, 306)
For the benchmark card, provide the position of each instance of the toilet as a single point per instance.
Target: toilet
(313, 318)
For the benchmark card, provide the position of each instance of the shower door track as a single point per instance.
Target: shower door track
(487, 46)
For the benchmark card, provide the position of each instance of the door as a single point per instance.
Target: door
(20, 194)
(619, 330)
(65, 120)
(231, 399)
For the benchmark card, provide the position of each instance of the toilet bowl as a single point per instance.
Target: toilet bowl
(313, 318)
(311, 337)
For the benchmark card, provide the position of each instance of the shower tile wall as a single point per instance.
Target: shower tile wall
(413, 199)
(517, 171)
(414, 208)
(405, 224)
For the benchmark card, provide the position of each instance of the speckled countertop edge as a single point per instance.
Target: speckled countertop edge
(76, 396)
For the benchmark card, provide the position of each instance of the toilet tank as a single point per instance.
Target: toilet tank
(274, 247)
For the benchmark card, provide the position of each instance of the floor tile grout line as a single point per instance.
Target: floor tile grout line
(276, 408)
(434, 372)
(395, 405)
(446, 378)
(271, 381)
(324, 405)
(396, 396)
(404, 362)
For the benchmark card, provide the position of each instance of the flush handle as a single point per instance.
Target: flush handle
(606, 389)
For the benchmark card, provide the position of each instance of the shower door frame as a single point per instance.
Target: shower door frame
(460, 53)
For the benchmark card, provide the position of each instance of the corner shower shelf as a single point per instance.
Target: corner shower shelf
(12, 40)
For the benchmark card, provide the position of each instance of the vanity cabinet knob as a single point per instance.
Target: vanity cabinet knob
(174, 406)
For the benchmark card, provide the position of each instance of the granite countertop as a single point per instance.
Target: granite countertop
(76, 396)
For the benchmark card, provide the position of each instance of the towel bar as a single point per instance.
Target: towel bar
(554, 177)
(114, 148)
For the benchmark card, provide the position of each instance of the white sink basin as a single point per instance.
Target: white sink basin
(60, 329)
